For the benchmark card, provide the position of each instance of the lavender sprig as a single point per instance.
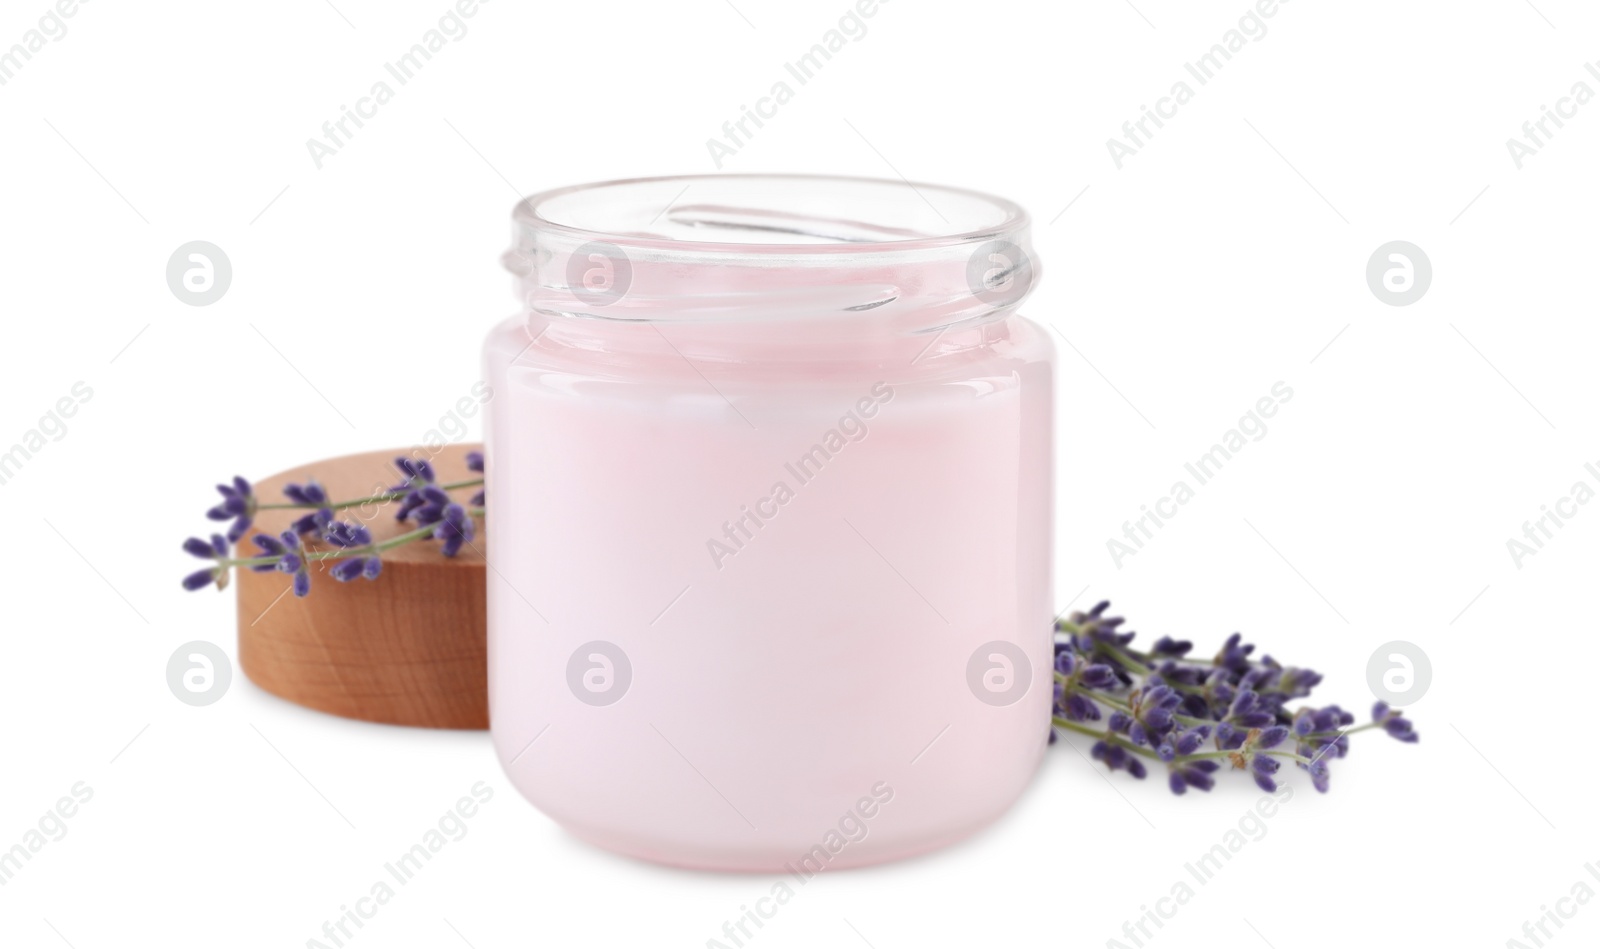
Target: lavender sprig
(1161, 707)
(348, 543)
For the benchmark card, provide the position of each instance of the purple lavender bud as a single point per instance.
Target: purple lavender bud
(1319, 774)
(346, 534)
(1189, 742)
(475, 461)
(1175, 648)
(346, 570)
(427, 513)
(1171, 671)
(200, 579)
(313, 523)
(478, 500)
(1400, 728)
(1119, 721)
(455, 528)
(1199, 778)
(302, 583)
(1272, 737)
(1099, 676)
(373, 568)
(1066, 662)
(1256, 679)
(196, 547)
(408, 504)
(1234, 655)
(1298, 683)
(1080, 709)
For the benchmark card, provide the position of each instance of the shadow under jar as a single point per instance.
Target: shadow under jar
(769, 478)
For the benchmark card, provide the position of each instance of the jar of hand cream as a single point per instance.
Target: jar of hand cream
(770, 506)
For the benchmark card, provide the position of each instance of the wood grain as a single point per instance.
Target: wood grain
(406, 648)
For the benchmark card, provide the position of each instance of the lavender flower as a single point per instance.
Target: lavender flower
(310, 494)
(1193, 774)
(238, 505)
(1173, 648)
(1234, 655)
(1394, 723)
(1164, 706)
(1076, 708)
(1117, 758)
(352, 552)
(346, 536)
(1152, 712)
(1262, 768)
(290, 558)
(1248, 711)
(455, 528)
(214, 549)
(415, 489)
(1183, 742)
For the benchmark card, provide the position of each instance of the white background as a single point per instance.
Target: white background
(1229, 254)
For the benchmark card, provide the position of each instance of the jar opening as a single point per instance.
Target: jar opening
(762, 247)
(770, 212)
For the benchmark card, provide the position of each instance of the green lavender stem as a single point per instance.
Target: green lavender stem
(374, 499)
(1115, 739)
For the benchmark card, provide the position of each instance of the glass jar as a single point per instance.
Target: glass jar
(769, 478)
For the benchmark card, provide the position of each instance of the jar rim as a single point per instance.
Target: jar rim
(580, 214)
